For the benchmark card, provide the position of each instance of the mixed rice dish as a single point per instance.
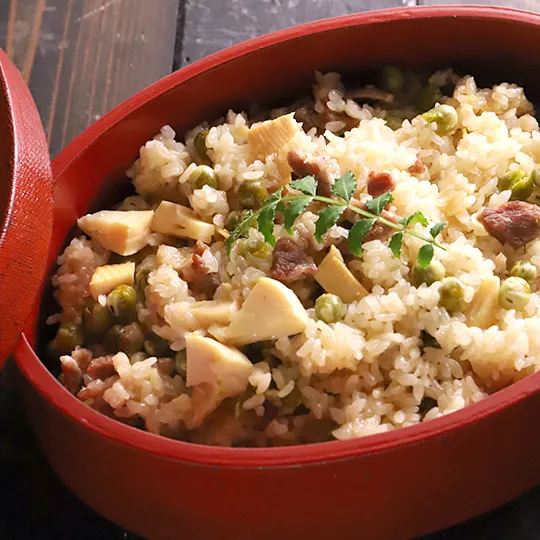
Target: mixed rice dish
(360, 261)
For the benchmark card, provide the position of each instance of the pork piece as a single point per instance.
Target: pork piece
(379, 183)
(101, 406)
(72, 374)
(515, 223)
(290, 262)
(95, 389)
(131, 339)
(200, 280)
(165, 365)
(325, 169)
(417, 167)
(205, 285)
(379, 231)
(101, 368)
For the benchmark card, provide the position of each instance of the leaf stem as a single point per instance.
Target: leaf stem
(366, 214)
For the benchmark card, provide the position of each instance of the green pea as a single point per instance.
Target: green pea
(141, 279)
(293, 399)
(535, 176)
(97, 319)
(445, 116)
(524, 270)
(329, 308)
(519, 182)
(204, 176)
(157, 346)
(392, 79)
(429, 275)
(180, 363)
(452, 294)
(122, 302)
(252, 193)
(199, 143)
(412, 86)
(393, 122)
(256, 248)
(514, 293)
(128, 339)
(138, 357)
(428, 97)
(68, 336)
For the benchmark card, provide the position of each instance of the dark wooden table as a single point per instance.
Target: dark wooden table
(81, 58)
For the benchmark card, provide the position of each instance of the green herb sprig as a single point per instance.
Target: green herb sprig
(293, 206)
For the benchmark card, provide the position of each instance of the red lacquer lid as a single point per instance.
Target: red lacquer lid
(25, 204)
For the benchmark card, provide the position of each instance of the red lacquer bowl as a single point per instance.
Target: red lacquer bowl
(390, 486)
(25, 203)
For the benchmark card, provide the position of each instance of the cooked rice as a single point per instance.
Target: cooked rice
(368, 373)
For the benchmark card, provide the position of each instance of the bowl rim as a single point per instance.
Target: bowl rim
(26, 192)
(290, 456)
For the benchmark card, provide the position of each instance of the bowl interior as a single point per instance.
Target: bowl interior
(494, 45)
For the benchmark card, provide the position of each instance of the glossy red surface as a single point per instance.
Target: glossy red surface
(389, 486)
(25, 203)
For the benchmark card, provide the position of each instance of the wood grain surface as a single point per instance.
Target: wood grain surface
(212, 25)
(83, 57)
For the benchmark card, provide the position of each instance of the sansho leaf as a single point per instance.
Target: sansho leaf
(267, 215)
(396, 242)
(378, 204)
(357, 234)
(294, 210)
(307, 185)
(425, 255)
(345, 186)
(417, 217)
(327, 218)
(437, 228)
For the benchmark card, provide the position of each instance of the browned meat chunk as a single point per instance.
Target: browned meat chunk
(131, 339)
(515, 223)
(417, 167)
(379, 183)
(101, 368)
(290, 262)
(100, 405)
(323, 168)
(165, 366)
(205, 285)
(72, 374)
(95, 389)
